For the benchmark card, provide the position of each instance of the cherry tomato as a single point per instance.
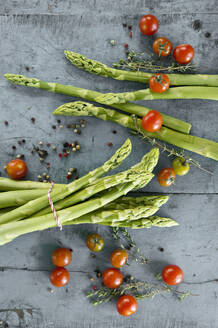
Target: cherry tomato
(118, 258)
(112, 278)
(183, 54)
(172, 275)
(148, 24)
(95, 242)
(180, 166)
(152, 121)
(16, 169)
(127, 305)
(61, 257)
(59, 277)
(166, 177)
(159, 83)
(162, 46)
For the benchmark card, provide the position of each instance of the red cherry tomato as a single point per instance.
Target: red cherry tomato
(119, 258)
(112, 278)
(159, 83)
(127, 305)
(152, 121)
(162, 46)
(166, 177)
(61, 257)
(183, 54)
(16, 169)
(148, 24)
(59, 277)
(172, 275)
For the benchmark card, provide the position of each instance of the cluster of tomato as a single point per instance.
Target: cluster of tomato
(113, 278)
(60, 276)
(152, 122)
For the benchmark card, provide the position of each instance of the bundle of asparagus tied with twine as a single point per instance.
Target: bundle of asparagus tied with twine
(25, 206)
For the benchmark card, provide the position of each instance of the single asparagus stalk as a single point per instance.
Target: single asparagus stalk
(192, 92)
(10, 231)
(144, 223)
(36, 205)
(95, 67)
(128, 202)
(11, 185)
(197, 145)
(147, 164)
(70, 90)
(115, 216)
(19, 197)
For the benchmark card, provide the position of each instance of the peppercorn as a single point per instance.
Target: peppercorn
(65, 144)
(19, 142)
(75, 130)
(5, 167)
(6, 123)
(124, 25)
(23, 141)
(22, 156)
(65, 154)
(109, 144)
(82, 126)
(54, 148)
(61, 126)
(68, 151)
(48, 145)
(41, 159)
(54, 127)
(91, 279)
(39, 177)
(18, 156)
(77, 147)
(59, 121)
(44, 174)
(130, 34)
(59, 155)
(68, 126)
(94, 287)
(47, 176)
(33, 119)
(14, 147)
(126, 45)
(72, 169)
(68, 177)
(74, 149)
(40, 143)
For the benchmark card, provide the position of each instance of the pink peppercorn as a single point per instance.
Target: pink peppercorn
(94, 287)
(59, 155)
(126, 45)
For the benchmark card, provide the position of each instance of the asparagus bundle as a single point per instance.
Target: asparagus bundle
(197, 145)
(35, 205)
(80, 207)
(70, 90)
(95, 67)
(210, 93)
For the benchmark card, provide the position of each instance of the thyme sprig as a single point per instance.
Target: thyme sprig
(139, 289)
(122, 235)
(164, 148)
(137, 61)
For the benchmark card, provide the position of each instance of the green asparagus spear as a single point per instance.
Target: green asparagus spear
(197, 145)
(115, 216)
(144, 223)
(11, 185)
(11, 230)
(147, 164)
(70, 90)
(95, 67)
(128, 202)
(19, 197)
(36, 205)
(193, 92)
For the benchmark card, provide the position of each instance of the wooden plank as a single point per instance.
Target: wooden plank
(34, 45)
(126, 7)
(25, 265)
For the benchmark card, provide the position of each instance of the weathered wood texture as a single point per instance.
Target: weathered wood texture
(33, 37)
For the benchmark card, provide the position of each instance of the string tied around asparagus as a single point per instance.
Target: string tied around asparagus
(52, 206)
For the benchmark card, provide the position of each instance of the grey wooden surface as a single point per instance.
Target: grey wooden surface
(33, 37)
